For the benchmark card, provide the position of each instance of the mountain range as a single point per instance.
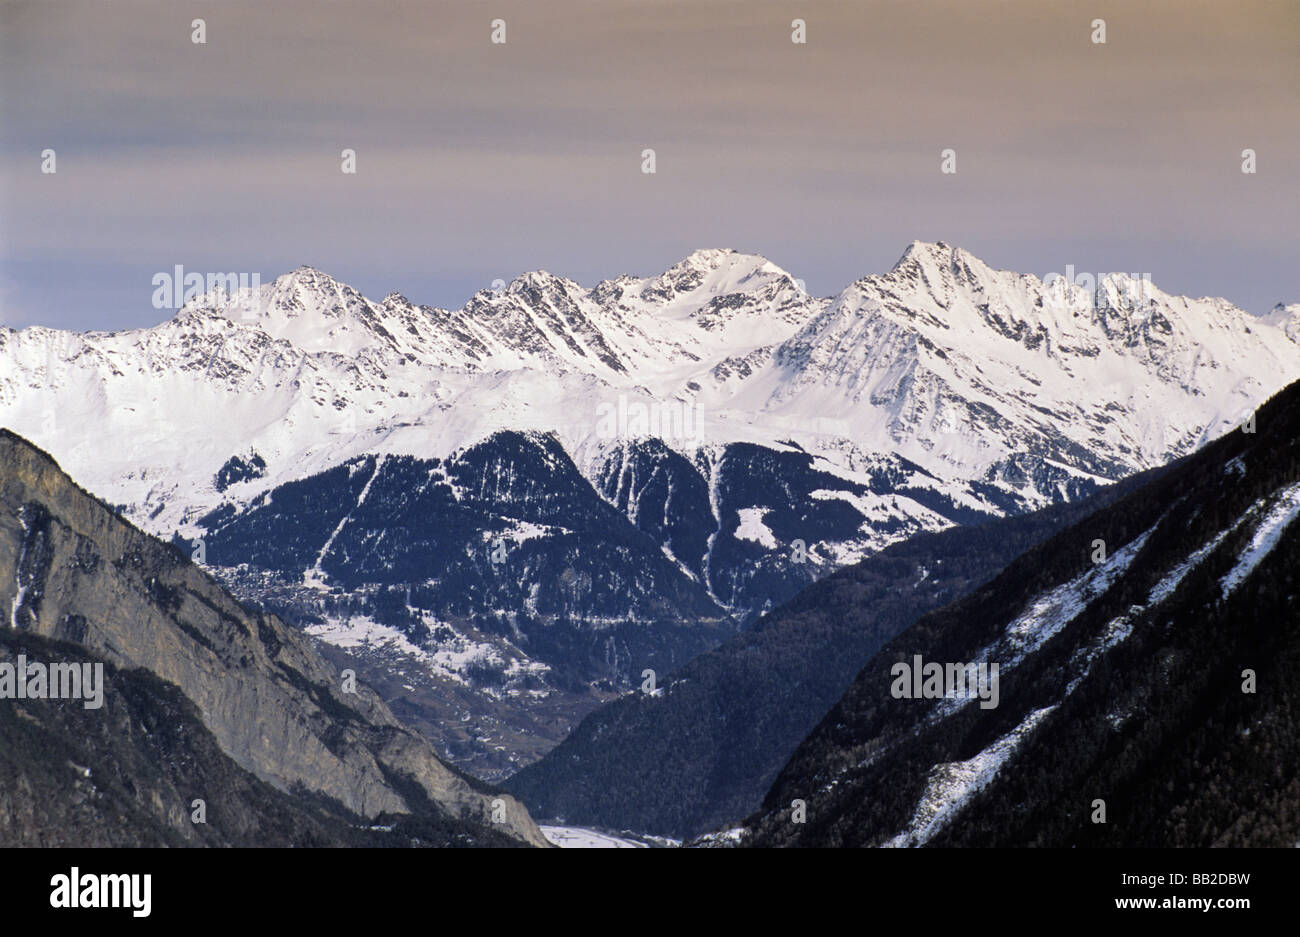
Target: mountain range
(506, 514)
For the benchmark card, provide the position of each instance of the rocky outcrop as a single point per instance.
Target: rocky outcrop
(142, 770)
(72, 570)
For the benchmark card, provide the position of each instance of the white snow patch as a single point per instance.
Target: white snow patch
(1267, 534)
(524, 530)
(1174, 578)
(365, 632)
(577, 837)
(731, 837)
(1046, 616)
(752, 527)
(450, 659)
(952, 784)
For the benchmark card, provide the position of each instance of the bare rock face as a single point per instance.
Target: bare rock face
(140, 769)
(72, 570)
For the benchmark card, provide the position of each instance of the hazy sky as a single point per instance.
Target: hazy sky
(478, 160)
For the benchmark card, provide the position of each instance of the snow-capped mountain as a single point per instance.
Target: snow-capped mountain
(973, 374)
(717, 434)
(989, 374)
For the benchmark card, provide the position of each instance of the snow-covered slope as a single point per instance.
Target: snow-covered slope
(970, 371)
(307, 373)
(975, 375)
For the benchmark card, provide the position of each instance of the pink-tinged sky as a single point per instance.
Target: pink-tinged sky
(479, 161)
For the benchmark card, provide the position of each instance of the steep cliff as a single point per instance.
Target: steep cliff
(72, 570)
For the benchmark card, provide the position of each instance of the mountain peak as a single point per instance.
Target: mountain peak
(707, 257)
(1285, 317)
(722, 268)
(921, 251)
(310, 277)
(540, 280)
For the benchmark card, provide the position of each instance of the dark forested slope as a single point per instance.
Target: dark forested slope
(704, 750)
(1147, 697)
